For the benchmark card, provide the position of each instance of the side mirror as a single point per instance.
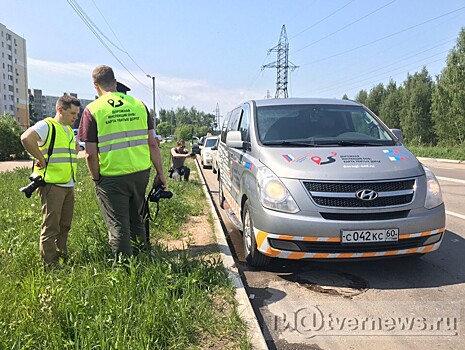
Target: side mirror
(214, 148)
(234, 139)
(398, 134)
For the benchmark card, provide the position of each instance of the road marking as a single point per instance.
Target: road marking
(455, 214)
(450, 179)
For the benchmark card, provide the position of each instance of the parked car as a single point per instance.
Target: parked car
(215, 157)
(206, 151)
(325, 179)
(82, 145)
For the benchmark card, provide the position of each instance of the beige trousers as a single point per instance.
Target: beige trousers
(57, 214)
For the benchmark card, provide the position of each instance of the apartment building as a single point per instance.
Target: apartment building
(13, 76)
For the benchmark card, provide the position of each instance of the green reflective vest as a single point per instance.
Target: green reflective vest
(122, 133)
(62, 165)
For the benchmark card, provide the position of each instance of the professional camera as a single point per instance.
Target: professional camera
(159, 193)
(37, 181)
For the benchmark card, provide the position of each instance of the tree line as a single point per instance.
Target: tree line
(429, 112)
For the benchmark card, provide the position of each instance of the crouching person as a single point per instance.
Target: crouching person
(178, 155)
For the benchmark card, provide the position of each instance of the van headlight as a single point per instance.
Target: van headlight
(273, 194)
(433, 190)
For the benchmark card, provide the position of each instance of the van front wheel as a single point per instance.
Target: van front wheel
(252, 255)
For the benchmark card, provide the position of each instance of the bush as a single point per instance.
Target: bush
(10, 139)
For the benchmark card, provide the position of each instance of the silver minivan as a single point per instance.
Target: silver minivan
(325, 179)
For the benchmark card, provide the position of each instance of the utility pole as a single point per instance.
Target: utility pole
(282, 64)
(153, 91)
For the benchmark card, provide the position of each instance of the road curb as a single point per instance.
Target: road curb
(439, 160)
(244, 307)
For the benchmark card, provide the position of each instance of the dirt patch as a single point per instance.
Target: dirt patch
(199, 239)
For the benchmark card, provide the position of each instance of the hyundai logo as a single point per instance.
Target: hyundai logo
(366, 195)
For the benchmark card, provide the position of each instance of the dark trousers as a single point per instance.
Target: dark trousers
(121, 199)
(182, 172)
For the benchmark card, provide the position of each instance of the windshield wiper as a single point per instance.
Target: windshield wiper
(291, 143)
(344, 143)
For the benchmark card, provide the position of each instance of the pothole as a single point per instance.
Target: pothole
(331, 282)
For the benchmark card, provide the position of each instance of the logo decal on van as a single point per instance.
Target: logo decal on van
(318, 161)
(394, 155)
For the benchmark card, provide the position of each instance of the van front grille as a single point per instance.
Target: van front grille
(343, 194)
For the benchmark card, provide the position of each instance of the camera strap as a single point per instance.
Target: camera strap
(145, 213)
(50, 149)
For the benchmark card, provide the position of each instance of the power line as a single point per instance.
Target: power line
(122, 50)
(93, 28)
(379, 68)
(399, 69)
(383, 38)
(344, 27)
(328, 16)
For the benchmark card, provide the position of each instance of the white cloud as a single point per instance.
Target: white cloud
(54, 78)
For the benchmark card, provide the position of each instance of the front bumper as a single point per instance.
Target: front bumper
(298, 247)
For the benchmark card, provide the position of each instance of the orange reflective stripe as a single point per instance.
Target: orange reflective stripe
(368, 255)
(272, 252)
(321, 255)
(261, 236)
(296, 255)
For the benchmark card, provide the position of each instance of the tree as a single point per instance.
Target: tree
(184, 132)
(448, 102)
(375, 98)
(391, 106)
(361, 96)
(416, 118)
(163, 129)
(10, 139)
(345, 97)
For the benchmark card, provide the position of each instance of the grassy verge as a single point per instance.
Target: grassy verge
(456, 152)
(170, 301)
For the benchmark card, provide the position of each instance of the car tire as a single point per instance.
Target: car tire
(220, 193)
(214, 170)
(251, 252)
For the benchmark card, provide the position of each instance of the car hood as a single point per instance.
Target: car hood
(342, 163)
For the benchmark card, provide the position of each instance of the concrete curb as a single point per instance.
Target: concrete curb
(442, 160)
(244, 307)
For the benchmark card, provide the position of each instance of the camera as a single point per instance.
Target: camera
(37, 181)
(159, 193)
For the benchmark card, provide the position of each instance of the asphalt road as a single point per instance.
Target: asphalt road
(382, 304)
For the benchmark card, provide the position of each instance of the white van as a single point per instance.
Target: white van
(325, 179)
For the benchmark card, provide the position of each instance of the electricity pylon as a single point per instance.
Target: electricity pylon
(282, 64)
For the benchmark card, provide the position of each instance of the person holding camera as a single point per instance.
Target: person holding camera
(178, 155)
(51, 142)
(120, 149)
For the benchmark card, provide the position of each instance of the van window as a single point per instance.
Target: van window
(244, 124)
(224, 128)
(234, 120)
(322, 124)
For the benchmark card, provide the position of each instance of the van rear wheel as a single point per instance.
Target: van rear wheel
(251, 252)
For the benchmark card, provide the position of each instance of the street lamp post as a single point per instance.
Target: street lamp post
(153, 91)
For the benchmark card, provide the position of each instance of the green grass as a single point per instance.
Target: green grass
(442, 152)
(170, 301)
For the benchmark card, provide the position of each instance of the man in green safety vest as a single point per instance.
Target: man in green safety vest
(121, 146)
(51, 142)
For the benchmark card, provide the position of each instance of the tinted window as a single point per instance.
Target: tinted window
(244, 124)
(210, 142)
(313, 123)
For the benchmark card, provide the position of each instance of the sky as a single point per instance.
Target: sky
(208, 53)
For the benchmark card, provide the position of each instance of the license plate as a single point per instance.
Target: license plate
(370, 236)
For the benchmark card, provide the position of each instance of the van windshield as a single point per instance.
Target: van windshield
(320, 125)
